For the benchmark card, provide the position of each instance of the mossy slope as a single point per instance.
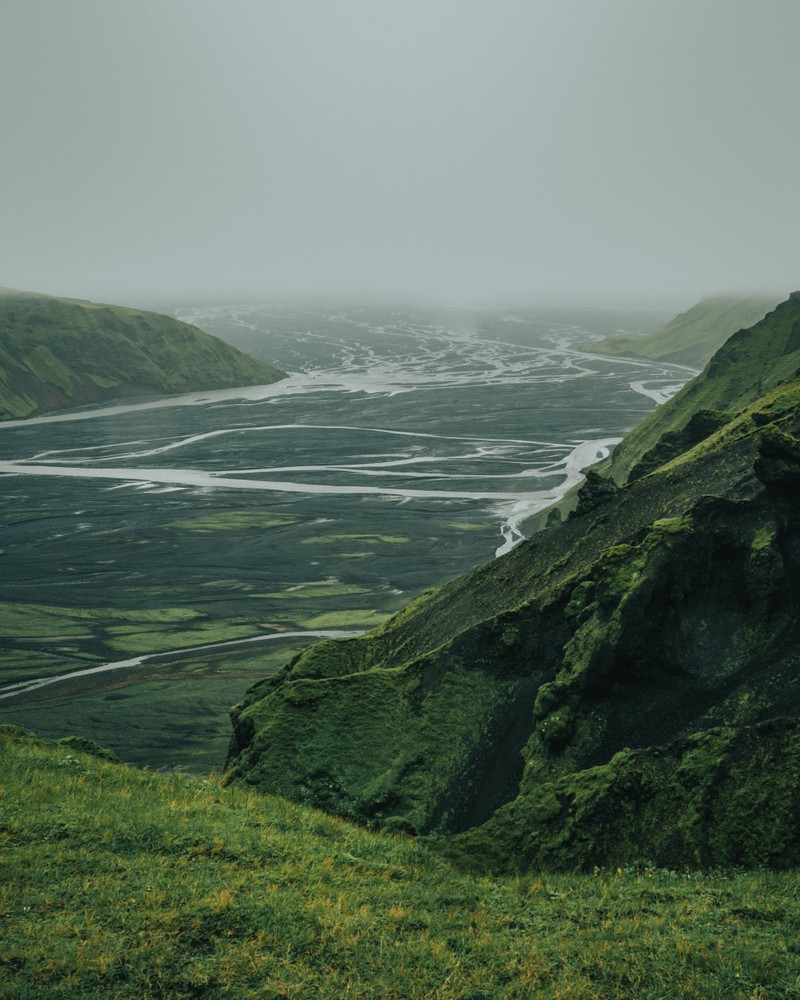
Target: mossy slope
(747, 366)
(692, 337)
(662, 610)
(57, 353)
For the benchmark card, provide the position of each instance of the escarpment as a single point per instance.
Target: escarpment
(622, 687)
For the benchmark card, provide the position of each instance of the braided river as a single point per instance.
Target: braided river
(148, 546)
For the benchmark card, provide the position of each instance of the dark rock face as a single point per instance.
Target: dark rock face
(778, 463)
(595, 490)
(624, 687)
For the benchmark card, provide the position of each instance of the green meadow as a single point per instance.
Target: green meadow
(118, 882)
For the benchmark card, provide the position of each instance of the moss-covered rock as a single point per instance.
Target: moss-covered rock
(698, 427)
(724, 797)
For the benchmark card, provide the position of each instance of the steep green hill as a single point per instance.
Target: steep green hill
(693, 336)
(625, 685)
(57, 353)
(122, 883)
(748, 365)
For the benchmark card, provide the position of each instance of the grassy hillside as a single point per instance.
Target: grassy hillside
(748, 365)
(692, 337)
(56, 353)
(122, 883)
(606, 686)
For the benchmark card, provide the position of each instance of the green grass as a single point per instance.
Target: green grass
(233, 521)
(132, 641)
(357, 618)
(42, 620)
(130, 884)
(64, 638)
(362, 539)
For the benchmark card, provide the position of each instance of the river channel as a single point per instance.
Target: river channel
(405, 447)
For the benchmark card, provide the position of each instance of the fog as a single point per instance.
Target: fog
(454, 150)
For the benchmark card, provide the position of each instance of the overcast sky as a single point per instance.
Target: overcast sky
(539, 150)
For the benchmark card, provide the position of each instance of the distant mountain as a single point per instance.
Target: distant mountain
(623, 687)
(57, 353)
(693, 336)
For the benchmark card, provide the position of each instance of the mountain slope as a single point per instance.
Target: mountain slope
(748, 365)
(57, 353)
(692, 337)
(661, 617)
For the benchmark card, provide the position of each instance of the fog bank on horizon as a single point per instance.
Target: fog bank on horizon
(455, 151)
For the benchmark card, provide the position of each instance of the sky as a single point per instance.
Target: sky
(465, 151)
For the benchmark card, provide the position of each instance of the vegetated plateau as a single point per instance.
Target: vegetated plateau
(57, 353)
(618, 696)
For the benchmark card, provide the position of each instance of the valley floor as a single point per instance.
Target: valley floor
(118, 882)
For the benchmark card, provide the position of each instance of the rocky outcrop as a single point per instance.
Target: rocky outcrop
(724, 797)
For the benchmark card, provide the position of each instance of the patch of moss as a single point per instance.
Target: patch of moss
(235, 520)
(47, 367)
(290, 740)
(356, 618)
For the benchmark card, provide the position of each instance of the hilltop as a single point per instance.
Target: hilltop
(624, 685)
(57, 353)
(692, 337)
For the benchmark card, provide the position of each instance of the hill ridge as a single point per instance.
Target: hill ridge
(57, 353)
(691, 337)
